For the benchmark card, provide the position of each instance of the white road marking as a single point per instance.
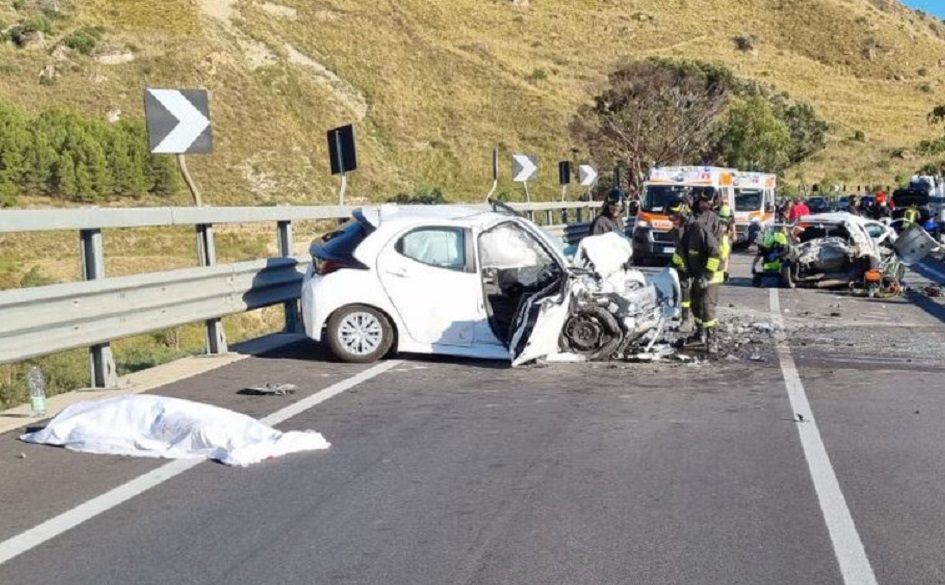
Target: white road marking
(53, 527)
(854, 564)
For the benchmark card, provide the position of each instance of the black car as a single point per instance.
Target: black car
(904, 198)
(818, 204)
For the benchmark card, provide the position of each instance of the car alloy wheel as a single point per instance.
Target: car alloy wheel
(359, 334)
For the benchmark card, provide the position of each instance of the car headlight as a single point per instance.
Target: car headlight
(642, 223)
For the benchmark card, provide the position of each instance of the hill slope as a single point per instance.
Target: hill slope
(433, 85)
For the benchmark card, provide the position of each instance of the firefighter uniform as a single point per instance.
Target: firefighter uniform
(680, 214)
(701, 254)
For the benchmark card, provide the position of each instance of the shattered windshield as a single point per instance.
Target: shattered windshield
(748, 199)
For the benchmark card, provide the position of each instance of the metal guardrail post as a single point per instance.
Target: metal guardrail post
(285, 250)
(101, 361)
(549, 217)
(207, 254)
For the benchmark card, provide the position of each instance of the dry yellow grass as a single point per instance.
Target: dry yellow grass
(444, 82)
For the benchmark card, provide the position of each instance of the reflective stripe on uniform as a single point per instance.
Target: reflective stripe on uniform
(717, 277)
(686, 304)
(772, 266)
(725, 247)
(711, 324)
(677, 259)
(713, 264)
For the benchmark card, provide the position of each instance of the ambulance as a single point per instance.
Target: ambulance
(653, 239)
(754, 205)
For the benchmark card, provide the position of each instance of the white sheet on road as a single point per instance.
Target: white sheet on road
(171, 428)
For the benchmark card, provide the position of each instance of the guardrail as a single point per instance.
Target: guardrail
(91, 313)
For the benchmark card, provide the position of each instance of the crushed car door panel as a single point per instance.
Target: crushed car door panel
(514, 266)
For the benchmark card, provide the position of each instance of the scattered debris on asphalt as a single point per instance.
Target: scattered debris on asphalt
(270, 389)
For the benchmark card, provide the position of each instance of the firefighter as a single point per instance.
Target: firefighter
(679, 214)
(610, 218)
(700, 252)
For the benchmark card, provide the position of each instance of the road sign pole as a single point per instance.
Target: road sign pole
(182, 164)
(528, 198)
(564, 192)
(341, 167)
(495, 173)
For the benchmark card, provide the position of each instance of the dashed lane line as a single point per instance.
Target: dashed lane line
(17, 545)
(848, 548)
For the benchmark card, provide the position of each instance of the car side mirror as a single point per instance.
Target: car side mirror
(769, 208)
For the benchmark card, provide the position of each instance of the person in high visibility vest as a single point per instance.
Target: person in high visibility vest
(773, 253)
(727, 223)
(910, 217)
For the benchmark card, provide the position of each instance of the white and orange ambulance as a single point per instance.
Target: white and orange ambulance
(653, 239)
(754, 205)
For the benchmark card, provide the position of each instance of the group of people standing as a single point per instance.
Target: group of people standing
(704, 229)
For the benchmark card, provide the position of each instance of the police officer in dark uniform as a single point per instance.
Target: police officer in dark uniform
(701, 254)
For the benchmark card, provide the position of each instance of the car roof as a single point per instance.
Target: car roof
(406, 215)
(835, 218)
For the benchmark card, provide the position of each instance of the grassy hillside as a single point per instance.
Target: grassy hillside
(432, 85)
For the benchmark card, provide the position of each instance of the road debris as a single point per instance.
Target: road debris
(270, 389)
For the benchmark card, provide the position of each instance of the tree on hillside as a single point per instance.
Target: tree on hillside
(753, 137)
(663, 112)
(651, 114)
(808, 131)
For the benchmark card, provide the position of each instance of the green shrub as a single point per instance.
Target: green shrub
(538, 75)
(40, 23)
(63, 154)
(84, 40)
(36, 277)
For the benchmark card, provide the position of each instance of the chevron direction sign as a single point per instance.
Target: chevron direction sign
(587, 174)
(524, 168)
(178, 121)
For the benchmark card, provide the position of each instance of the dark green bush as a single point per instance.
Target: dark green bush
(84, 40)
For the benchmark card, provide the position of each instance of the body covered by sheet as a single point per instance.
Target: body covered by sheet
(171, 428)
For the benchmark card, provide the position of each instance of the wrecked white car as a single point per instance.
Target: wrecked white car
(460, 281)
(838, 250)
(834, 249)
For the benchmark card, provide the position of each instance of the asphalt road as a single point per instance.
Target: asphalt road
(447, 471)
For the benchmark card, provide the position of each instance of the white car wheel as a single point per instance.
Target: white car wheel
(359, 334)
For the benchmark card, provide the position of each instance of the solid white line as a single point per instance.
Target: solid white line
(854, 564)
(53, 527)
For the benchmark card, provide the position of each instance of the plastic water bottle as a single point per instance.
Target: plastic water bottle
(37, 392)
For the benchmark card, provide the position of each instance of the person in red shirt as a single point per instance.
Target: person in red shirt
(799, 210)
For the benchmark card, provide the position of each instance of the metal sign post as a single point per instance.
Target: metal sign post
(343, 156)
(179, 123)
(564, 177)
(495, 173)
(524, 170)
